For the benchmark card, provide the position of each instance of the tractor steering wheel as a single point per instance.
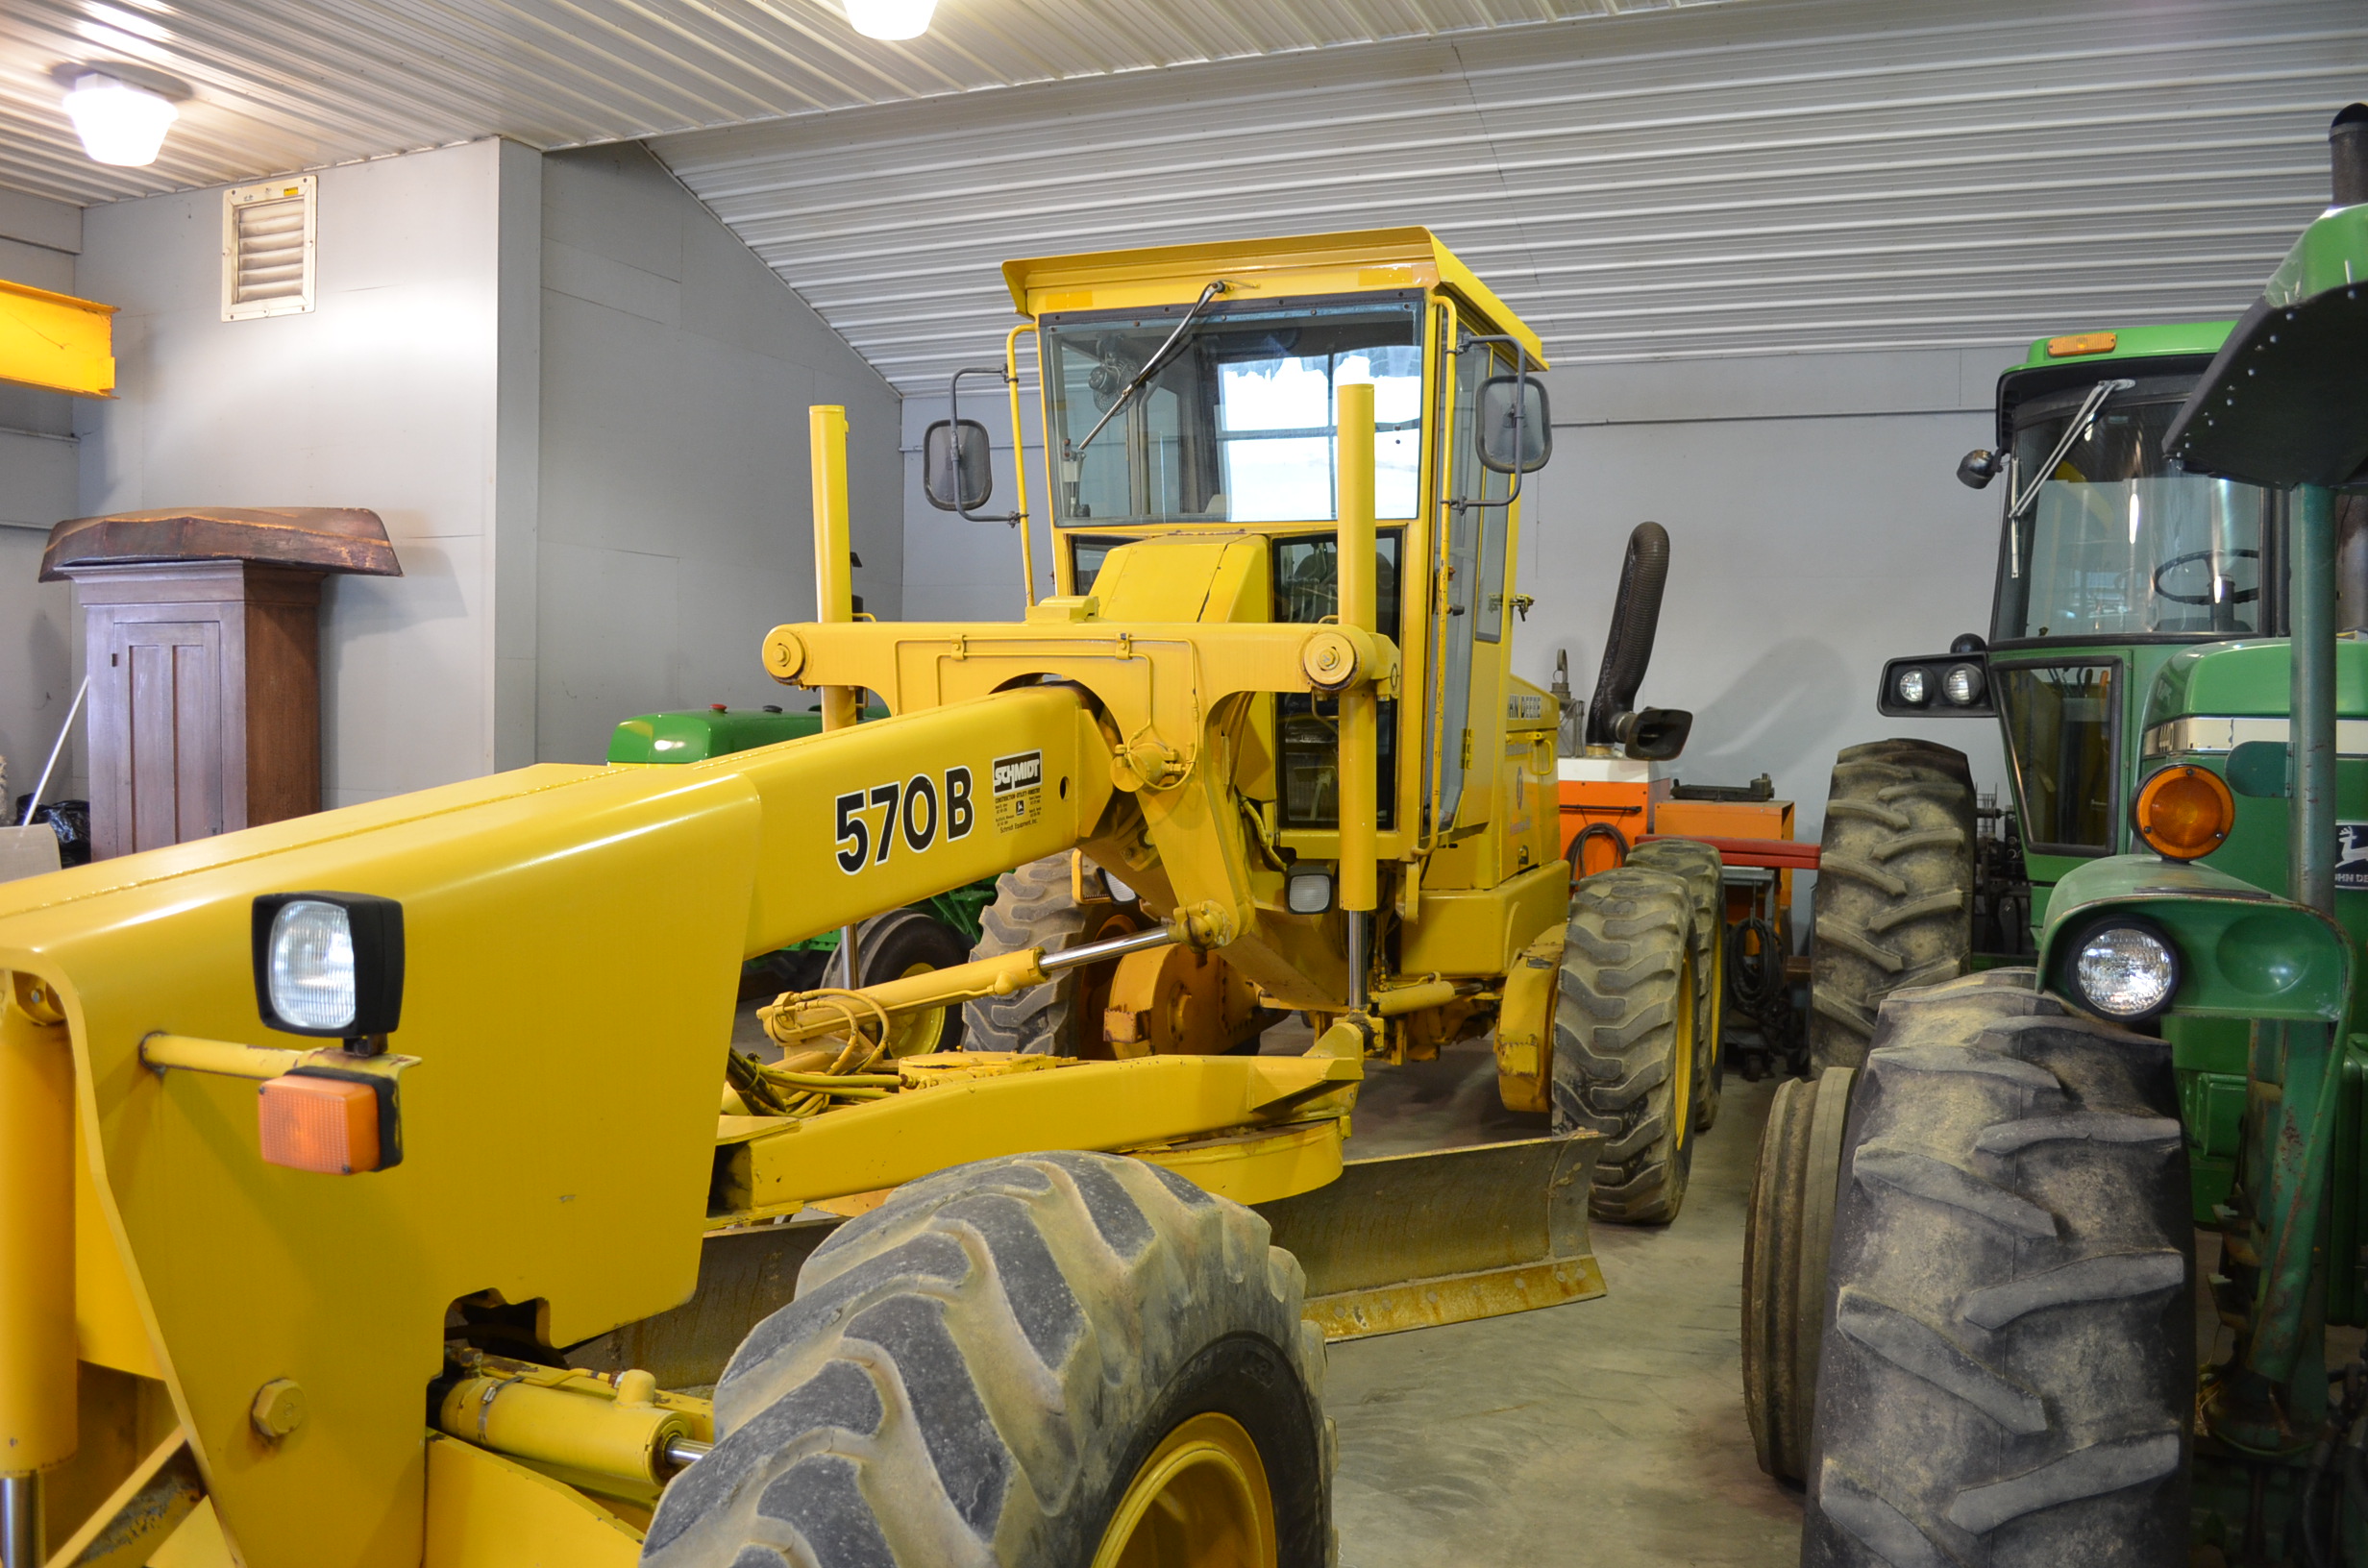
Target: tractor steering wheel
(2241, 596)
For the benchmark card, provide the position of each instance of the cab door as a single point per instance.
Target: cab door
(1467, 603)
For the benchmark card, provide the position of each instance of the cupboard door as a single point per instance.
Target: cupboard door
(170, 786)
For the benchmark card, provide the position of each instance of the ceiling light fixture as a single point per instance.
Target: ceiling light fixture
(889, 19)
(120, 111)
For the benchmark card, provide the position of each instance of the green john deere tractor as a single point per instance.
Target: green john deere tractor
(1971, 1302)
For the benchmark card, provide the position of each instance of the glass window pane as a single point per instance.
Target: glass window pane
(1306, 590)
(1236, 423)
(2060, 732)
(2116, 543)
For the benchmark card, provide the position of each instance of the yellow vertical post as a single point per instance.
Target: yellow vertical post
(37, 1262)
(1018, 455)
(1359, 806)
(834, 586)
(834, 594)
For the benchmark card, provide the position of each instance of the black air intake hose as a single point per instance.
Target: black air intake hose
(1635, 614)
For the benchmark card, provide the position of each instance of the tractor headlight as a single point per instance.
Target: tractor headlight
(1962, 684)
(1911, 688)
(2125, 969)
(329, 964)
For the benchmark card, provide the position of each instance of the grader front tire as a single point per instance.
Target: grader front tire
(1698, 866)
(1623, 1039)
(1013, 1364)
(1893, 905)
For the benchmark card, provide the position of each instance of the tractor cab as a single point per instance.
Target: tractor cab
(2113, 560)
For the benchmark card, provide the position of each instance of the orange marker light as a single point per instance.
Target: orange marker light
(2183, 812)
(2079, 343)
(328, 1125)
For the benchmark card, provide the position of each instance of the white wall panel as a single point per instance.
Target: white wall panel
(40, 647)
(1744, 180)
(389, 396)
(676, 514)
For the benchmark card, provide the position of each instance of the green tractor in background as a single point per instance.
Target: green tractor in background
(1970, 1308)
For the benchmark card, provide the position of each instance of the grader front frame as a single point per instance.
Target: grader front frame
(417, 1294)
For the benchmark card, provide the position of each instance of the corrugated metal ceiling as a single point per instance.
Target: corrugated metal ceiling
(1842, 174)
(286, 84)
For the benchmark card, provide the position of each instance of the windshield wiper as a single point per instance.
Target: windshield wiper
(1150, 367)
(2091, 407)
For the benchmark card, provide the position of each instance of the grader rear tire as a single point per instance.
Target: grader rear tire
(2008, 1367)
(908, 942)
(1893, 905)
(1698, 866)
(1035, 907)
(1623, 1039)
(1003, 1362)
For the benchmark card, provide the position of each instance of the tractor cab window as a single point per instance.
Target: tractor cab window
(2117, 542)
(2061, 737)
(1235, 423)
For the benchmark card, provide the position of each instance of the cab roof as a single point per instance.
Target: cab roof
(2080, 358)
(1355, 262)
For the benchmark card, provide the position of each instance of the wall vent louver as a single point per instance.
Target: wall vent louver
(267, 232)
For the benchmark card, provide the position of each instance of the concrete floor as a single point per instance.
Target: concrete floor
(1609, 1431)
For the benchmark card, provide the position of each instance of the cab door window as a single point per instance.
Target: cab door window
(2064, 734)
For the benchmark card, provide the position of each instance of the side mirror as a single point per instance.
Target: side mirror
(956, 474)
(1500, 399)
(1977, 467)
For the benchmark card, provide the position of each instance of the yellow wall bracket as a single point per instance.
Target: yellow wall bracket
(57, 341)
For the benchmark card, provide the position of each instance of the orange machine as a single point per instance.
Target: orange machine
(1615, 802)
(1611, 799)
(1732, 820)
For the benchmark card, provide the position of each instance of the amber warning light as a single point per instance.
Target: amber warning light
(329, 1125)
(2184, 813)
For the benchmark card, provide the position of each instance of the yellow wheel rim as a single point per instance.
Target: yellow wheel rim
(1200, 1501)
(916, 1032)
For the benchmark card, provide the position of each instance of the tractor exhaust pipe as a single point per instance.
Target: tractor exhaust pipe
(2346, 150)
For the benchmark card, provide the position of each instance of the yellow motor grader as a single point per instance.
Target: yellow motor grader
(385, 1187)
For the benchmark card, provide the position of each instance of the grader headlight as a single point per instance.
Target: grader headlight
(329, 964)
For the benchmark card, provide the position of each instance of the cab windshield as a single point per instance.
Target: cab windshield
(2117, 542)
(1235, 424)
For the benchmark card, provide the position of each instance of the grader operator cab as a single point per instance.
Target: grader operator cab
(364, 1194)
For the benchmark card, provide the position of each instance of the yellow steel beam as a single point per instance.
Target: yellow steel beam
(1095, 1105)
(57, 341)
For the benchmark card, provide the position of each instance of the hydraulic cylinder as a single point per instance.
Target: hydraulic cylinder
(1359, 729)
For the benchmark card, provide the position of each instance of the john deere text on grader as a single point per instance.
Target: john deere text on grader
(415, 1295)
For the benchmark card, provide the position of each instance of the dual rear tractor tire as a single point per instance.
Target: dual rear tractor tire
(1048, 1360)
(1893, 903)
(2008, 1359)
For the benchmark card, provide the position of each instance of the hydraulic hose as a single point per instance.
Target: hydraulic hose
(1607, 831)
(1636, 615)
